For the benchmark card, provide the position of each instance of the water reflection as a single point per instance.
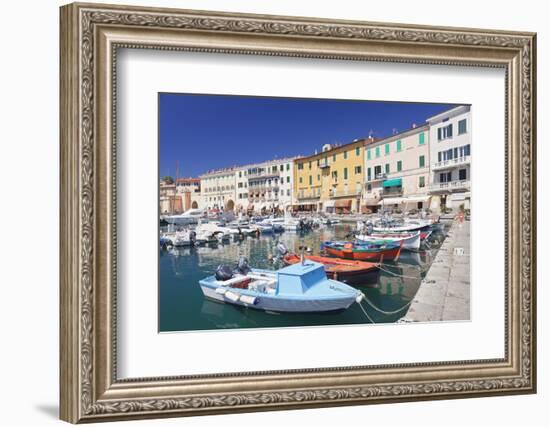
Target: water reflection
(183, 307)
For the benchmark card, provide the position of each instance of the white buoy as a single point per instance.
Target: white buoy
(360, 298)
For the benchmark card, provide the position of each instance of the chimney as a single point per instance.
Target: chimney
(414, 125)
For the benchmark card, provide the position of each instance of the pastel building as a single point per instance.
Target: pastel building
(189, 189)
(332, 180)
(268, 185)
(217, 189)
(450, 154)
(397, 171)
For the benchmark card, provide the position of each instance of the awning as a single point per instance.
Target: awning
(329, 204)
(391, 201)
(395, 182)
(343, 203)
(371, 201)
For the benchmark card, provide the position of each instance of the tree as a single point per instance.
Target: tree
(168, 180)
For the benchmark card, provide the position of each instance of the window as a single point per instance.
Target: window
(281, 168)
(377, 170)
(399, 166)
(358, 151)
(288, 192)
(310, 180)
(334, 157)
(439, 156)
(335, 174)
(300, 166)
(462, 174)
(445, 177)
(345, 173)
(421, 138)
(357, 170)
(288, 166)
(387, 168)
(467, 150)
(368, 154)
(369, 187)
(445, 132)
(421, 161)
(240, 174)
(317, 162)
(287, 179)
(310, 164)
(398, 145)
(300, 180)
(377, 151)
(368, 174)
(462, 126)
(387, 149)
(345, 155)
(421, 181)
(318, 177)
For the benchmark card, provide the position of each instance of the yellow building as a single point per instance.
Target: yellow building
(332, 180)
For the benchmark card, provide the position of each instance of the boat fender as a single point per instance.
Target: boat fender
(360, 297)
(223, 273)
(247, 299)
(232, 296)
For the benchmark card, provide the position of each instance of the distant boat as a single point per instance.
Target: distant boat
(299, 288)
(178, 239)
(410, 240)
(363, 252)
(344, 270)
(190, 216)
(408, 226)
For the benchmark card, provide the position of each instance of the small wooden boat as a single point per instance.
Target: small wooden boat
(347, 271)
(299, 288)
(363, 252)
(410, 240)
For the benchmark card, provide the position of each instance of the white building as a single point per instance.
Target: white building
(450, 154)
(265, 186)
(190, 191)
(218, 189)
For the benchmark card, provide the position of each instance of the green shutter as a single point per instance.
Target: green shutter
(368, 174)
(387, 168)
(368, 154)
(421, 182)
(310, 180)
(387, 149)
(398, 145)
(345, 173)
(357, 151)
(421, 138)
(421, 161)
(377, 151)
(345, 155)
(399, 165)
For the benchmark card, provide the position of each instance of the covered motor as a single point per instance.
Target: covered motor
(223, 273)
(242, 266)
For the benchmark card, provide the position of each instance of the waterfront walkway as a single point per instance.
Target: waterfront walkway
(445, 291)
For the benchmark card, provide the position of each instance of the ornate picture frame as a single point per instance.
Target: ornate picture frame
(90, 37)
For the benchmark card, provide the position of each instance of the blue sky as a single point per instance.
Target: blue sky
(206, 132)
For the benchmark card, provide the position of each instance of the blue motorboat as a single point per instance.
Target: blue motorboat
(300, 288)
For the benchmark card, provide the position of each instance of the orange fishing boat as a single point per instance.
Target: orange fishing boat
(343, 270)
(363, 252)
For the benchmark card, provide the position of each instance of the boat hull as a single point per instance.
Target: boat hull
(284, 305)
(411, 241)
(346, 271)
(373, 255)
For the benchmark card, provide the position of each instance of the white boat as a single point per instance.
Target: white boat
(179, 238)
(190, 216)
(392, 226)
(410, 241)
(213, 232)
(299, 288)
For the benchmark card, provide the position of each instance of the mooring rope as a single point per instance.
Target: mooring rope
(388, 313)
(399, 275)
(365, 311)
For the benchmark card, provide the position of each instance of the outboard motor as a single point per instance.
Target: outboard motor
(282, 249)
(369, 228)
(193, 236)
(223, 273)
(242, 266)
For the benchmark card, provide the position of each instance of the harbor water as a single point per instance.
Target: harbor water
(182, 306)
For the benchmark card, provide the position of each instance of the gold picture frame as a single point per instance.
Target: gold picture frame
(90, 37)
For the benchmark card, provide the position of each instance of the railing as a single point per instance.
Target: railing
(346, 193)
(324, 164)
(308, 196)
(450, 185)
(451, 163)
(378, 177)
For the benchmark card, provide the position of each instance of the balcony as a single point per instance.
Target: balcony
(308, 197)
(346, 193)
(378, 177)
(392, 192)
(447, 164)
(450, 186)
(324, 165)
